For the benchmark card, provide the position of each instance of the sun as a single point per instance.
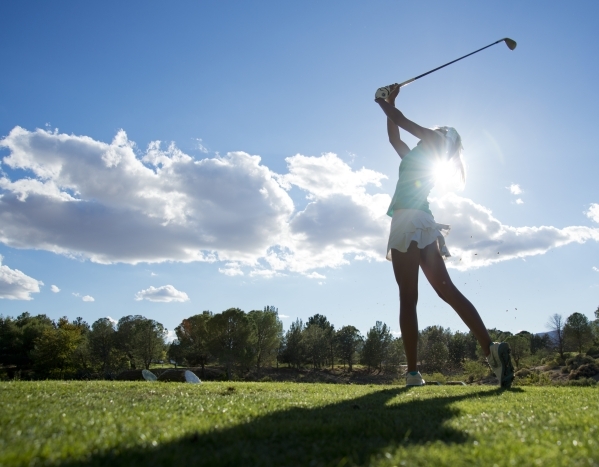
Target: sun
(447, 176)
(443, 172)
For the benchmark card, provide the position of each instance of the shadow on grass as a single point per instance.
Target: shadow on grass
(344, 433)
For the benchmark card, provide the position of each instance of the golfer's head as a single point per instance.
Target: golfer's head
(453, 145)
(453, 141)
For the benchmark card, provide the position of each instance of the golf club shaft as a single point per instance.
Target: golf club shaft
(443, 66)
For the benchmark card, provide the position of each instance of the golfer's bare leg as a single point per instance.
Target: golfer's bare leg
(405, 268)
(435, 271)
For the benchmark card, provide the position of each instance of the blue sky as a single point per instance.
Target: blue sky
(168, 158)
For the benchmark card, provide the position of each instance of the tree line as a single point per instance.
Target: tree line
(240, 342)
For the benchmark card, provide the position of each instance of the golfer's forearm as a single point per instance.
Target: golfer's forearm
(392, 131)
(392, 113)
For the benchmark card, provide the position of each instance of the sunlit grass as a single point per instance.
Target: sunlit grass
(122, 424)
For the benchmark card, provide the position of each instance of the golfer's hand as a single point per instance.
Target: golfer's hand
(394, 93)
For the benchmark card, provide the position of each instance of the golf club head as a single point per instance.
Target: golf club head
(510, 43)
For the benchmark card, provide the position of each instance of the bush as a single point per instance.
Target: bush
(582, 382)
(585, 371)
(593, 352)
(474, 370)
(551, 364)
(534, 379)
(440, 378)
(578, 360)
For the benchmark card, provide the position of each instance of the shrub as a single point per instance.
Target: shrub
(578, 360)
(436, 377)
(534, 379)
(582, 382)
(585, 371)
(474, 370)
(523, 373)
(593, 352)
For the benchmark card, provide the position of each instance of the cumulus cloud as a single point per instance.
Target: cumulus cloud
(112, 202)
(101, 201)
(16, 285)
(231, 269)
(519, 201)
(112, 320)
(595, 269)
(593, 212)
(88, 298)
(164, 294)
(54, 288)
(315, 275)
(479, 239)
(514, 189)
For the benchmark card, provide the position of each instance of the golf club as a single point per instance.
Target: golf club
(509, 42)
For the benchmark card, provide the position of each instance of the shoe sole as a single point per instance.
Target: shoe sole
(415, 385)
(507, 369)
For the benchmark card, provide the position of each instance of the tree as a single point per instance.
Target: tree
(193, 340)
(101, 341)
(54, 350)
(294, 351)
(461, 347)
(395, 355)
(433, 350)
(231, 339)
(520, 348)
(329, 335)
(22, 334)
(556, 326)
(268, 331)
(376, 346)
(142, 340)
(315, 345)
(349, 341)
(578, 333)
(150, 340)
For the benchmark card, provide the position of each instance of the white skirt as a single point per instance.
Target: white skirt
(413, 225)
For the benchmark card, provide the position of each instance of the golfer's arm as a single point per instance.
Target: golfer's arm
(401, 121)
(395, 139)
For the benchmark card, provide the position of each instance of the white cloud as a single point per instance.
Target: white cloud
(200, 146)
(283, 316)
(54, 288)
(514, 189)
(112, 320)
(593, 212)
(519, 201)
(479, 239)
(101, 201)
(16, 285)
(113, 203)
(265, 273)
(231, 269)
(164, 294)
(88, 298)
(170, 336)
(315, 275)
(595, 269)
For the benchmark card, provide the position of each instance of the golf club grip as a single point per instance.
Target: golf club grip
(405, 83)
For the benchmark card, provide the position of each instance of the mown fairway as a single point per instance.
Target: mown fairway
(147, 424)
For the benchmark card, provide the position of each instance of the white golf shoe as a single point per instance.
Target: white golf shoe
(414, 378)
(500, 362)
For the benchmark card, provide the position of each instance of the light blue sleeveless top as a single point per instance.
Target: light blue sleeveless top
(415, 182)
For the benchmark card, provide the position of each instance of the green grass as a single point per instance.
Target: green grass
(145, 424)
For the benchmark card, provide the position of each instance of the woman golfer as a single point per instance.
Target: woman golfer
(416, 240)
